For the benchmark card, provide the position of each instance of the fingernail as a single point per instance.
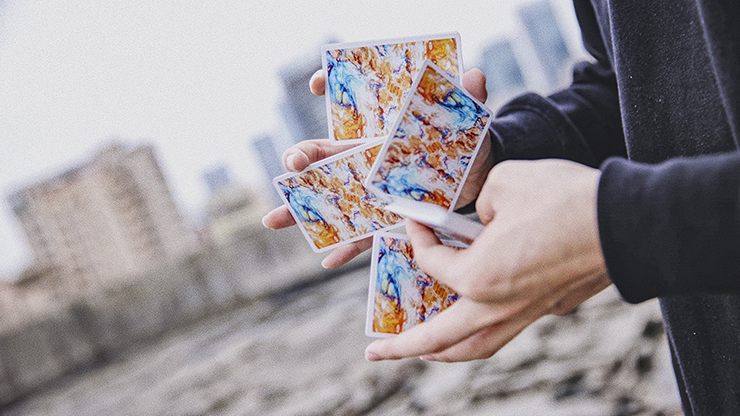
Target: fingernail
(289, 162)
(323, 264)
(371, 356)
(428, 358)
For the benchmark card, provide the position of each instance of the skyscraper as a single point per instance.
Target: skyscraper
(548, 41)
(232, 206)
(264, 147)
(303, 112)
(503, 74)
(105, 219)
(217, 178)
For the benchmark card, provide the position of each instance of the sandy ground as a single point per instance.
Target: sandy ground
(302, 354)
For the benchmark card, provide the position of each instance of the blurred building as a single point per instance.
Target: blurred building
(303, 116)
(504, 77)
(303, 113)
(534, 58)
(217, 178)
(105, 219)
(232, 207)
(549, 44)
(267, 153)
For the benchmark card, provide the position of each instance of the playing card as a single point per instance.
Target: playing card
(434, 142)
(329, 202)
(400, 294)
(366, 82)
(442, 221)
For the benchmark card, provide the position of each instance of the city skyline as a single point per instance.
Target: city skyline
(185, 80)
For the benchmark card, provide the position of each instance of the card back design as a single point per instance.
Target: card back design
(435, 140)
(329, 201)
(368, 82)
(401, 295)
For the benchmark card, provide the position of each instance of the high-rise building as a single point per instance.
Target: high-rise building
(303, 112)
(503, 75)
(548, 41)
(231, 210)
(232, 206)
(217, 178)
(105, 219)
(264, 147)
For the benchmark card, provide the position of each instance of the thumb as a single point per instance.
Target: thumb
(474, 80)
(317, 84)
(433, 257)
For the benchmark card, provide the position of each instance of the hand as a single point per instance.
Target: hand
(298, 157)
(295, 159)
(539, 254)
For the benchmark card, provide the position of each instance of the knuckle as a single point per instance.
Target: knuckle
(465, 282)
(504, 288)
(311, 149)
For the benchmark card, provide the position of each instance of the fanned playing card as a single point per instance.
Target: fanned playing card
(401, 295)
(329, 201)
(367, 82)
(434, 142)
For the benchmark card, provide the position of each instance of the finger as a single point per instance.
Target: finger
(474, 80)
(278, 218)
(453, 325)
(342, 255)
(434, 258)
(299, 156)
(481, 345)
(467, 330)
(317, 84)
(434, 335)
(477, 175)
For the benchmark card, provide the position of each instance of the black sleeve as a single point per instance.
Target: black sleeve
(672, 228)
(581, 123)
(668, 228)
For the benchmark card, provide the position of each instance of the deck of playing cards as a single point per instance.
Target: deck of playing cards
(419, 132)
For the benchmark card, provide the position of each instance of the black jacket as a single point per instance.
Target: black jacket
(659, 111)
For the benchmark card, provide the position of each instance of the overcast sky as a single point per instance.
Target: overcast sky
(197, 79)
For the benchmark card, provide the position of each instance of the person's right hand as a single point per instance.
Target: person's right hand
(539, 254)
(299, 156)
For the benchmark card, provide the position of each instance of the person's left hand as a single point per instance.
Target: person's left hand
(299, 156)
(539, 254)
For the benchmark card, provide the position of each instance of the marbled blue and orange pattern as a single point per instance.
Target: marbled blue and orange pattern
(401, 294)
(367, 84)
(329, 201)
(438, 134)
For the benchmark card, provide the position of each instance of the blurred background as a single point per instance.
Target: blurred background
(139, 141)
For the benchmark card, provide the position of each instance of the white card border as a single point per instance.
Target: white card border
(358, 44)
(384, 149)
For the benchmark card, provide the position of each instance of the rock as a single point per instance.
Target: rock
(301, 353)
